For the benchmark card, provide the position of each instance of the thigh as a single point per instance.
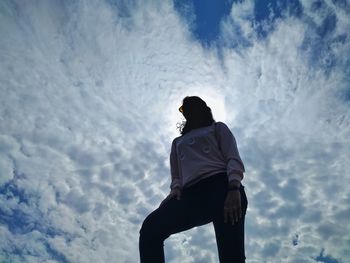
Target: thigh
(176, 216)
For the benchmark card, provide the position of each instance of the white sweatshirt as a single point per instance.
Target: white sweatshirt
(203, 152)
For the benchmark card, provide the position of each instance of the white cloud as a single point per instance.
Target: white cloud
(89, 102)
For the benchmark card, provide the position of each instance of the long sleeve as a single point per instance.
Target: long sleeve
(174, 169)
(227, 144)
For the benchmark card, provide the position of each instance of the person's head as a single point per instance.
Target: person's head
(196, 113)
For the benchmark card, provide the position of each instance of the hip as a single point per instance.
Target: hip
(214, 186)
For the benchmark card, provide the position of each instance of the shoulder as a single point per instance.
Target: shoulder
(221, 125)
(176, 139)
(223, 130)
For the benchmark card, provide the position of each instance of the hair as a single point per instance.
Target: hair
(196, 113)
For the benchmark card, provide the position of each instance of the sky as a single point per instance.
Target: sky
(89, 97)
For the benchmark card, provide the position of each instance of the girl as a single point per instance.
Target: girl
(206, 174)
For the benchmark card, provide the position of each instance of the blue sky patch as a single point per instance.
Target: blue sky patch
(325, 258)
(266, 12)
(205, 16)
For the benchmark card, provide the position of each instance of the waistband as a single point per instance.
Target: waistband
(210, 180)
(206, 180)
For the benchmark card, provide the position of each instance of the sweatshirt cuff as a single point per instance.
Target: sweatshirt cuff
(236, 177)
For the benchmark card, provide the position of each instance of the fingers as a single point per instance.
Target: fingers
(235, 215)
(232, 209)
(230, 215)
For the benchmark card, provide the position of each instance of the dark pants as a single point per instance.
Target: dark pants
(200, 204)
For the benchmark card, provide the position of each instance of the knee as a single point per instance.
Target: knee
(150, 229)
(145, 227)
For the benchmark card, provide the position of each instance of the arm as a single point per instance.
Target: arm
(235, 170)
(174, 169)
(175, 185)
(228, 146)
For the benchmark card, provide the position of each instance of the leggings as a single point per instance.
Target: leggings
(200, 204)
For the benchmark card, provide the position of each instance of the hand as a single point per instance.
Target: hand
(176, 192)
(232, 207)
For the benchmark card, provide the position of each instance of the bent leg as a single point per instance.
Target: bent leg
(151, 238)
(172, 217)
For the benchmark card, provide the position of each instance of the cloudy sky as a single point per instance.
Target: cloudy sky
(89, 92)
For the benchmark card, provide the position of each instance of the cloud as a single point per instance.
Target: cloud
(89, 100)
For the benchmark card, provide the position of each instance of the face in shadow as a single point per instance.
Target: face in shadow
(196, 112)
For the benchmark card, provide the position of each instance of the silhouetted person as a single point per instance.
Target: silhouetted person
(206, 174)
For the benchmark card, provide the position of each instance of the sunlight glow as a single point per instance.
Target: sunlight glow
(214, 99)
